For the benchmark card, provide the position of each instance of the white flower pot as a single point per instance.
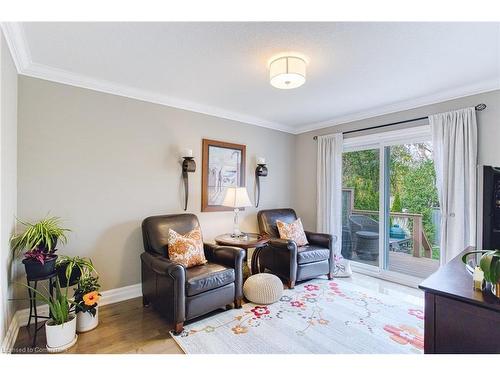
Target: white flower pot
(85, 321)
(60, 337)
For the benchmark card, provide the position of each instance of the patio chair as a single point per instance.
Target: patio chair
(364, 233)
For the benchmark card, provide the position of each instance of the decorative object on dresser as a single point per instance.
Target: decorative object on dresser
(260, 171)
(288, 260)
(223, 167)
(39, 240)
(489, 266)
(263, 288)
(459, 319)
(188, 166)
(181, 293)
(236, 198)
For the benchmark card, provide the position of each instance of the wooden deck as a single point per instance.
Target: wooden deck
(407, 264)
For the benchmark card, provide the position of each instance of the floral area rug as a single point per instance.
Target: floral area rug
(320, 316)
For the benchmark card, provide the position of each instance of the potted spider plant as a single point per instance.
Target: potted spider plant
(86, 299)
(71, 269)
(60, 329)
(39, 241)
(490, 265)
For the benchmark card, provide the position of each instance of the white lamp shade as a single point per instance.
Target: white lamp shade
(236, 197)
(287, 72)
(187, 152)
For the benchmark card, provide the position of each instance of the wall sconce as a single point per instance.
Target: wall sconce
(260, 171)
(188, 165)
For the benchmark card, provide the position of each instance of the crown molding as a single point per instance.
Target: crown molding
(18, 45)
(406, 105)
(69, 78)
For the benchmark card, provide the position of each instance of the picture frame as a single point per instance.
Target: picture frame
(223, 166)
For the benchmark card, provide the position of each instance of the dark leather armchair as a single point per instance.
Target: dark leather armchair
(284, 258)
(182, 294)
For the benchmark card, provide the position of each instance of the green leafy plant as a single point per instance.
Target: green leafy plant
(83, 265)
(42, 235)
(87, 294)
(489, 264)
(59, 304)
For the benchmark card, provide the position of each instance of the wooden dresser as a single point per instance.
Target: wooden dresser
(457, 318)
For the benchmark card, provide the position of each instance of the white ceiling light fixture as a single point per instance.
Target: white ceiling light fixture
(287, 72)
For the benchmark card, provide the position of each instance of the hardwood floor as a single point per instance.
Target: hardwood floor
(128, 327)
(124, 327)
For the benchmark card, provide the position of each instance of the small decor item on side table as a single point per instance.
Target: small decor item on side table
(237, 197)
(39, 240)
(86, 303)
(490, 266)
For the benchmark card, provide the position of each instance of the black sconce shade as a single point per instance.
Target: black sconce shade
(188, 165)
(260, 171)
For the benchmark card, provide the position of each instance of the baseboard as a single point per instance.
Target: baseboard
(20, 318)
(11, 335)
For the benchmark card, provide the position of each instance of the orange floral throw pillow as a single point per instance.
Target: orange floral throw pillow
(186, 249)
(293, 231)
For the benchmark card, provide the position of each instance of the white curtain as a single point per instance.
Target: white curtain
(329, 187)
(454, 138)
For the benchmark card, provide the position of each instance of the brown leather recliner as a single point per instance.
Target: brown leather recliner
(182, 294)
(284, 258)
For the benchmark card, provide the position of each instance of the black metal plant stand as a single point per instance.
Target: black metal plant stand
(32, 297)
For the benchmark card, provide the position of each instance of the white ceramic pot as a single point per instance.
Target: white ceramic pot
(85, 321)
(62, 335)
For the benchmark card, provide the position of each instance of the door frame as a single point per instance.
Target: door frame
(382, 141)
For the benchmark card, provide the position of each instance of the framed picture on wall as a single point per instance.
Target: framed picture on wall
(223, 167)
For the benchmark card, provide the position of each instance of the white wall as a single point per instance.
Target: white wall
(104, 163)
(305, 146)
(8, 178)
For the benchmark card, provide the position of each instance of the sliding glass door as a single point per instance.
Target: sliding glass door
(414, 215)
(360, 207)
(390, 213)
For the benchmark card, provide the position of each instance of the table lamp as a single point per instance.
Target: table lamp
(236, 197)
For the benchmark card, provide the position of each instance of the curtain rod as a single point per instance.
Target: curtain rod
(478, 107)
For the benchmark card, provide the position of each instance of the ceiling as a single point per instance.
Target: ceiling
(355, 70)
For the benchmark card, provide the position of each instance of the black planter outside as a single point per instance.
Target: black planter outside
(36, 270)
(61, 274)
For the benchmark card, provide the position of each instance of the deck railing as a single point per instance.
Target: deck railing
(420, 241)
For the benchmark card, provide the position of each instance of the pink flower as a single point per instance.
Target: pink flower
(311, 287)
(419, 314)
(260, 311)
(297, 304)
(406, 335)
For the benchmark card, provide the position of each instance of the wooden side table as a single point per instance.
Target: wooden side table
(250, 241)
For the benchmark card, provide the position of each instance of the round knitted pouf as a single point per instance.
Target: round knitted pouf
(263, 288)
